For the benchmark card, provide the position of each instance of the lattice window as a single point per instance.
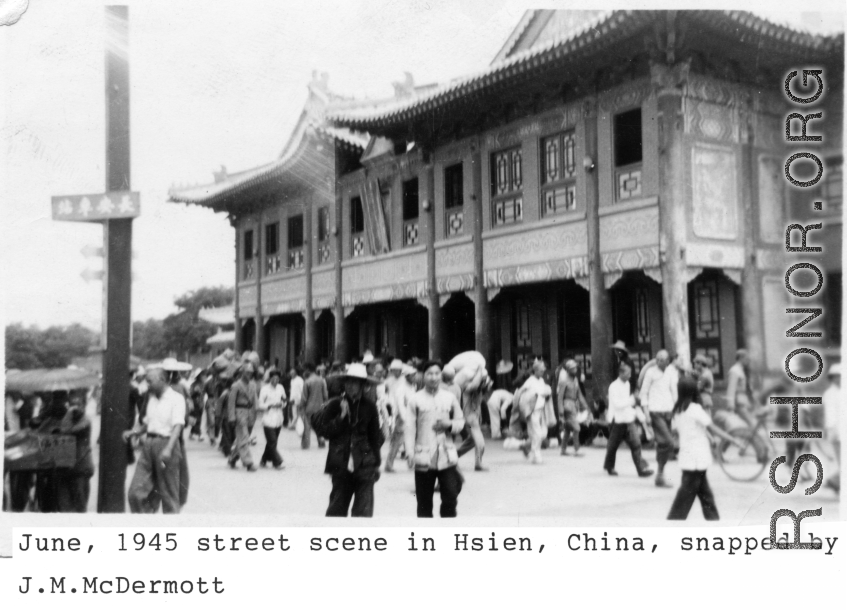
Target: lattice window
(706, 314)
(558, 173)
(357, 227)
(272, 263)
(454, 199)
(455, 223)
(295, 241)
(249, 268)
(411, 235)
(411, 208)
(506, 183)
(558, 158)
(628, 154)
(507, 172)
(714, 356)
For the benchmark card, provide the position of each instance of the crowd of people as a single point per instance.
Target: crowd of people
(65, 489)
(430, 414)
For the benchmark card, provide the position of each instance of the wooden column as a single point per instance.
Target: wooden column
(259, 257)
(672, 207)
(238, 343)
(598, 297)
(752, 304)
(310, 332)
(482, 310)
(340, 333)
(434, 307)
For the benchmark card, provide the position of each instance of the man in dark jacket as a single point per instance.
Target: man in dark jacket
(351, 424)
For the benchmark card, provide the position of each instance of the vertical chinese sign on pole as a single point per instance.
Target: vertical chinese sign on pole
(115, 209)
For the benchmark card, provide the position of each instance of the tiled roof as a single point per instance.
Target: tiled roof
(597, 33)
(208, 194)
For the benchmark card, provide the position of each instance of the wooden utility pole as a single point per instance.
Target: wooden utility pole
(117, 244)
(599, 301)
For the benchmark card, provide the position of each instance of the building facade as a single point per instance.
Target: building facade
(611, 176)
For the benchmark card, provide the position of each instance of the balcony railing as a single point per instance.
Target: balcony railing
(628, 182)
(295, 258)
(249, 269)
(411, 234)
(455, 223)
(358, 245)
(323, 253)
(507, 211)
(560, 199)
(272, 264)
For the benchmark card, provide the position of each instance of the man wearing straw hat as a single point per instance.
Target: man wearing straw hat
(351, 424)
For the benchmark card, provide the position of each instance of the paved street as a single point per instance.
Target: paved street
(577, 490)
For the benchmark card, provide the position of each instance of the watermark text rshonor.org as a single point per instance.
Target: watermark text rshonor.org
(812, 79)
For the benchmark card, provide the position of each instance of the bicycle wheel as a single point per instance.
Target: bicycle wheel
(745, 463)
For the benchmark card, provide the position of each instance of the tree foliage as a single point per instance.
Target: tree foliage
(53, 347)
(183, 332)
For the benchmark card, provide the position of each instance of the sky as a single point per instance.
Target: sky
(210, 86)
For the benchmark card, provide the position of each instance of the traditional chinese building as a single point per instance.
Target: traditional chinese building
(610, 176)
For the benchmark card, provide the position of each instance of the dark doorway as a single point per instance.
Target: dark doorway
(458, 325)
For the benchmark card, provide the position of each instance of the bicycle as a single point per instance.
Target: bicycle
(747, 460)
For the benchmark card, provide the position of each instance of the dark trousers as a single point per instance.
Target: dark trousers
(619, 433)
(74, 490)
(271, 453)
(357, 486)
(664, 438)
(20, 484)
(694, 485)
(227, 437)
(155, 483)
(451, 485)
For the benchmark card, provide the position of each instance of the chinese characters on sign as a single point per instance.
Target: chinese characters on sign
(92, 208)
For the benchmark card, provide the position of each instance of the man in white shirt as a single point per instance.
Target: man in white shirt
(738, 388)
(535, 400)
(498, 404)
(296, 395)
(399, 397)
(157, 472)
(271, 399)
(659, 394)
(434, 417)
(623, 426)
